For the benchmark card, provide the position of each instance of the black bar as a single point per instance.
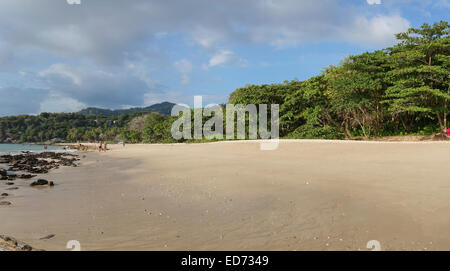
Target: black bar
(227, 260)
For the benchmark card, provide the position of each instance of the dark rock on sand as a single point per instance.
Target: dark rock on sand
(39, 182)
(9, 183)
(11, 244)
(4, 195)
(37, 163)
(26, 176)
(5, 203)
(12, 188)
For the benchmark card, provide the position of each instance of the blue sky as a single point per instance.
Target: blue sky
(57, 57)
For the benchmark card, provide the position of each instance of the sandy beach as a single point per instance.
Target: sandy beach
(306, 195)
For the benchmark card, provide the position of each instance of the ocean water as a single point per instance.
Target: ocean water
(14, 148)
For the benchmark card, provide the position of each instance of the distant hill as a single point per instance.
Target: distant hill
(161, 108)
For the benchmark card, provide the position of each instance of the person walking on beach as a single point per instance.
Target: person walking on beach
(105, 148)
(100, 146)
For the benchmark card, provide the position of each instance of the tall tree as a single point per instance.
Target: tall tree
(351, 93)
(420, 72)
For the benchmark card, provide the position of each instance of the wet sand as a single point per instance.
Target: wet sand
(306, 195)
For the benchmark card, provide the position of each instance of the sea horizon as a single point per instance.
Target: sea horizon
(11, 148)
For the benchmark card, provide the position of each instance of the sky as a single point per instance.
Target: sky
(65, 55)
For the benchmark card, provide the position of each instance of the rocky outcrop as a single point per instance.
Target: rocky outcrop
(34, 163)
(10, 244)
(26, 166)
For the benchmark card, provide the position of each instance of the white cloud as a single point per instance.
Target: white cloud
(66, 38)
(74, 2)
(56, 102)
(94, 86)
(63, 70)
(379, 30)
(185, 67)
(68, 31)
(224, 57)
(207, 37)
(374, 2)
(142, 72)
(107, 54)
(220, 58)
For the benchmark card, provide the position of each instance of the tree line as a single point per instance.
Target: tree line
(404, 89)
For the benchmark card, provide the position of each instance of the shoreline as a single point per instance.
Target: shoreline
(307, 195)
(396, 138)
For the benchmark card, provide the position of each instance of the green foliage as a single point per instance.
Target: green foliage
(45, 127)
(265, 94)
(158, 129)
(420, 73)
(131, 136)
(404, 89)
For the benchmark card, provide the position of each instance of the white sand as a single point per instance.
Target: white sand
(307, 195)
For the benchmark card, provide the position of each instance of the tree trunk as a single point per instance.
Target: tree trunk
(378, 120)
(445, 113)
(445, 120)
(363, 127)
(441, 124)
(347, 133)
(404, 124)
